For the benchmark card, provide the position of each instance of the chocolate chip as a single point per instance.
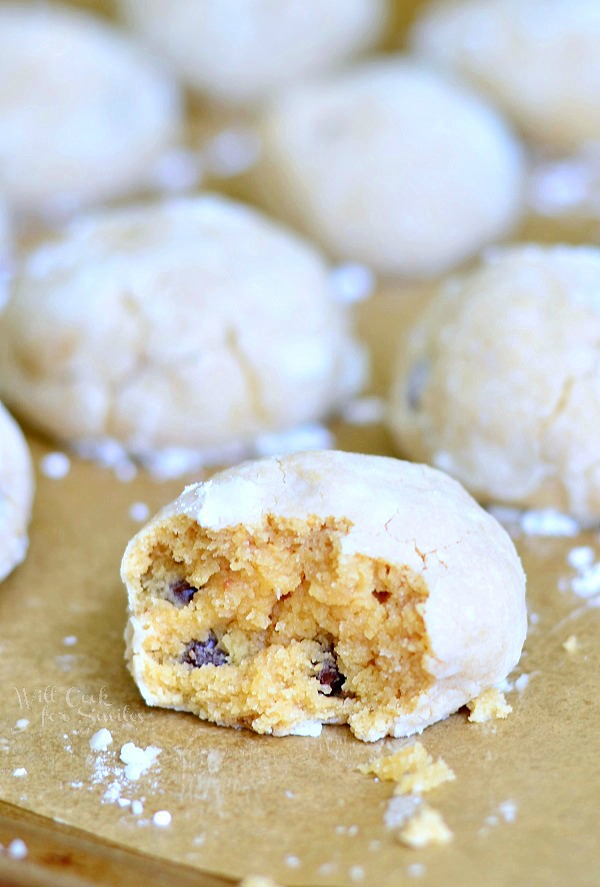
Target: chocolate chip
(181, 592)
(208, 652)
(330, 676)
(417, 380)
(382, 596)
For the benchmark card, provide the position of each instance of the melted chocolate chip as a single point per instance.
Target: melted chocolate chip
(330, 676)
(181, 592)
(382, 596)
(208, 652)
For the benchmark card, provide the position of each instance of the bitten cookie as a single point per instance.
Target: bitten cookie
(323, 587)
(498, 383)
(84, 114)
(239, 53)
(391, 164)
(537, 58)
(16, 493)
(192, 323)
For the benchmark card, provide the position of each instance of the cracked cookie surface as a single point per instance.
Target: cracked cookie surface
(508, 367)
(323, 587)
(193, 323)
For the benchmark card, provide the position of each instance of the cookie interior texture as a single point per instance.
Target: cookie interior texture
(272, 628)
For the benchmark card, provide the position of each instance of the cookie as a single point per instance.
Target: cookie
(239, 53)
(191, 323)
(323, 587)
(393, 165)
(498, 382)
(16, 493)
(537, 58)
(81, 125)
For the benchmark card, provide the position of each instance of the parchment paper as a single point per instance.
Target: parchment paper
(523, 808)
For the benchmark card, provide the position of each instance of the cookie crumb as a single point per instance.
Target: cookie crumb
(137, 808)
(522, 682)
(424, 828)
(548, 522)
(139, 512)
(488, 705)
(17, 849)
(101, 740)
(571, 645)
(364, 411)
(162, 819)
(138, 760)
(352, 282)
(412, 768)
(55, 465)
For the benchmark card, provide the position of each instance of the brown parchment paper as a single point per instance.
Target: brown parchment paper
(294, 808)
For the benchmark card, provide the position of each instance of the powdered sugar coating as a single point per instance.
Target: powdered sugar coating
(509, 402)
(241, 53)
(537, 58)
(81, 125)
(193, 324)
(392, 165)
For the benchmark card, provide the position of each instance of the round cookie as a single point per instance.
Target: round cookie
(392, 165)
(498, 383)
(239, 52)
(81, 125)
(323, 587)
(16, 493)
(193, 323)
(537, 58)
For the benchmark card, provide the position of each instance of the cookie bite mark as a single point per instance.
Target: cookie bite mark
(275, 626)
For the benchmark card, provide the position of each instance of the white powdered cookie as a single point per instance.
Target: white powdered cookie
(498, 383)
(191, 323)
(537, 58)
(238, 52)
(323, 587)
(84, 114)
(16, 493)
(393, 165)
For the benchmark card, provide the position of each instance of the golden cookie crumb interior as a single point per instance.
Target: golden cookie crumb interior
(273, 627)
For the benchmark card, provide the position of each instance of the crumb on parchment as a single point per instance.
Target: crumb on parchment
(571, 645)
(424, 828)
(488, 705)
(412, 769)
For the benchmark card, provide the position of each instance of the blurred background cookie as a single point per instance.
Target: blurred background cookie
(538, 59)
(391, 164)
(240, 52)
(193, 323)
(84, 112)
